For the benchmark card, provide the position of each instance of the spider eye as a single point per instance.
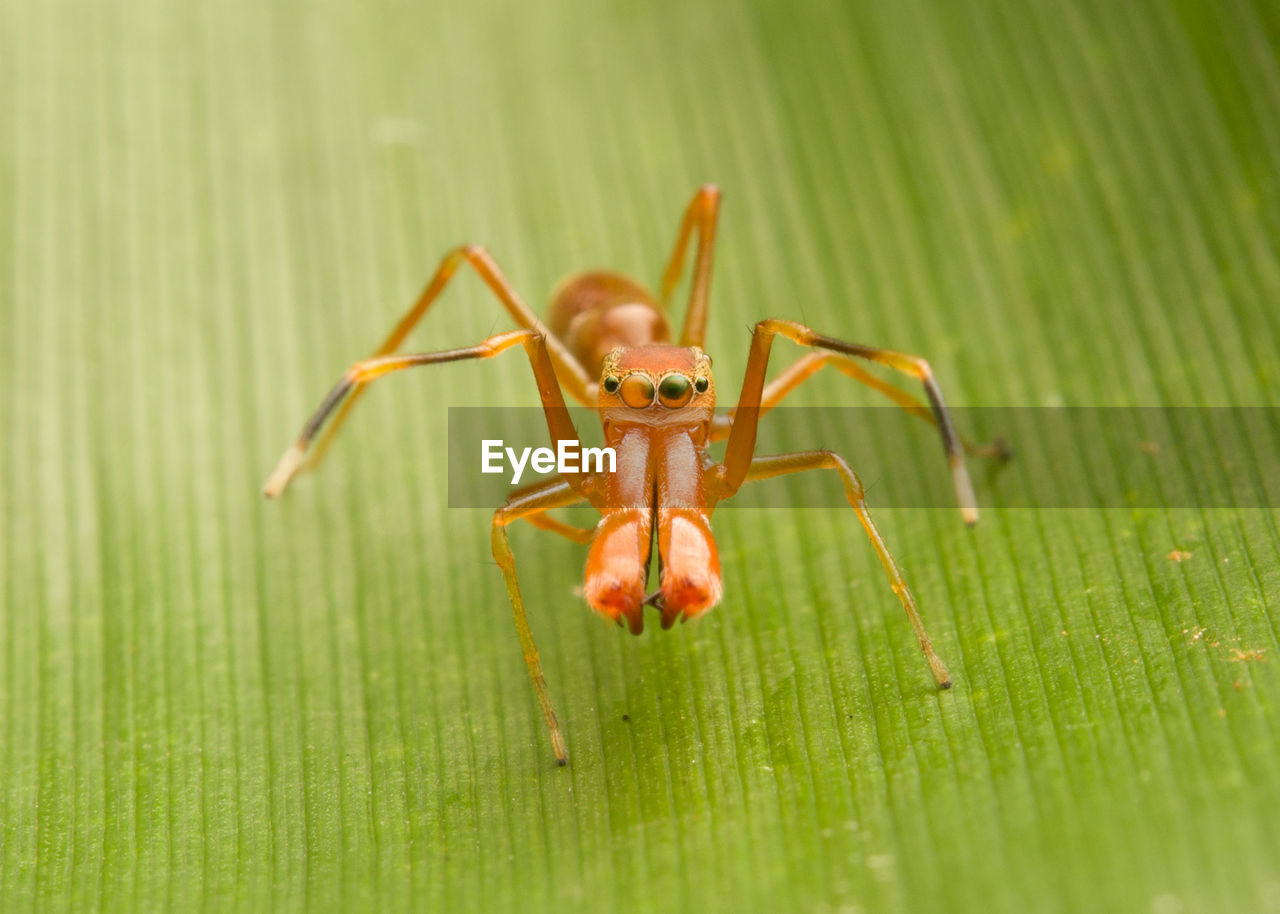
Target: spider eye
(612, 383)
(701, 385)
(637, 390)
(674, 390)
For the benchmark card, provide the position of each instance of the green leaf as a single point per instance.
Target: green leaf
(211, 701)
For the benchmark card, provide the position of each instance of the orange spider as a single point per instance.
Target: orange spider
(608, 343)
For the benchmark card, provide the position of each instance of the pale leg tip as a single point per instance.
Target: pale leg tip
(284, 471)
(559, 748)
(964, 494)
(941, 675)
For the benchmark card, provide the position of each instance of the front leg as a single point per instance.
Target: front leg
(742, 439)
(811, 363)
(575, 378)
(529, 503)
(360, 375)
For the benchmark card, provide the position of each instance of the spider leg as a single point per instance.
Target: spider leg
(538, 517)
(742, 437)
(811, 363)
(567, 369)
(530, 503)
(363, 373)
(784, 464)
(581, 535)
(700, 214)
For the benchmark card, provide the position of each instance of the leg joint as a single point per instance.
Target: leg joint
(833, 461)
(503, 517)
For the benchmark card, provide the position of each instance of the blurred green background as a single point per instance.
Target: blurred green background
(207, 211)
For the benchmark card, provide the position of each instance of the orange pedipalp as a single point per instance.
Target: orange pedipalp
(617, 566)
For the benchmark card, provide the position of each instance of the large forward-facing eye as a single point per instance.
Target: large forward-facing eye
(636, 390)
(674, 390)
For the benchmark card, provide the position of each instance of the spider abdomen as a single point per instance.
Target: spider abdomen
(595, 312)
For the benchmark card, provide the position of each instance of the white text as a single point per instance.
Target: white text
(568, 457)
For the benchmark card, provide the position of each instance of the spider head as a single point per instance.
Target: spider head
(651, 384)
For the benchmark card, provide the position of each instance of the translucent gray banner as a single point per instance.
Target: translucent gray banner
(1069, 457)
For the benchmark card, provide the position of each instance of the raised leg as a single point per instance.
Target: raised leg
(742, 437)
(528, 503)
(784, 464)
(559, 423)
(701, 215)
(811, 363)
(571, 373)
